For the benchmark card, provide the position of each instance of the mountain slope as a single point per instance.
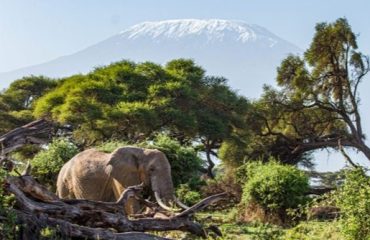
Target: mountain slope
(245, 54)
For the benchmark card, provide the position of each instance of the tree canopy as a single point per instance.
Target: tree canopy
(317, 103)
(17, 101)
(133, 101)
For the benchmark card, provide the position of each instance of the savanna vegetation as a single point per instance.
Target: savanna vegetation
(198, 120)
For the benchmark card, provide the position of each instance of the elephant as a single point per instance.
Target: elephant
(101, 176)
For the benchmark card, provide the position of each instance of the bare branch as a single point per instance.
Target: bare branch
(348, 159)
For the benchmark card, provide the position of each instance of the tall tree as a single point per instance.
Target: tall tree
(317, 105)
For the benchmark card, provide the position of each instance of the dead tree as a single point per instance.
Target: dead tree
(36, 132)
(37, 208)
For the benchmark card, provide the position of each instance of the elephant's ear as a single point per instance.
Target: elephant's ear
(125, 158)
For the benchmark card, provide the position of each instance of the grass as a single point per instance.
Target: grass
(232, 230)
(306, 230)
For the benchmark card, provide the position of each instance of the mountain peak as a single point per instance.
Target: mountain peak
(247, 54)
(212, 29)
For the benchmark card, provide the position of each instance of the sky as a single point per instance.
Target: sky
(36, 31)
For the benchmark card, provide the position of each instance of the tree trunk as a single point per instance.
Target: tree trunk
(364, 149)
(211, 165)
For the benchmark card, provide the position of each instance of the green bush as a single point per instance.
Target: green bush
(112, 145)
(353, 199)
(48, 162)
(187, 195)
(274, 187)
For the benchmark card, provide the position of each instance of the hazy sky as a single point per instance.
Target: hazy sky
(35, 31)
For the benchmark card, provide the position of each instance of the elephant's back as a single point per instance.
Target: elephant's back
(90, 160)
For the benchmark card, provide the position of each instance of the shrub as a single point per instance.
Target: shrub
(274, 188)
(353, 199)
(187, 195)
(48, 162)
(110, 146)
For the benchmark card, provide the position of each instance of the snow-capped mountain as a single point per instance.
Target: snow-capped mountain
(245, 54)
(213, 30)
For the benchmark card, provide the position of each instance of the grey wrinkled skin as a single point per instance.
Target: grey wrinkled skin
(100, 176)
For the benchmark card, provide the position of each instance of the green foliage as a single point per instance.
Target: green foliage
(184, 161)
(110, 146)
(233, 152)
(353, 199)
(187, 195)
(316, 103)
(51, 233)
(131, 102)
(314, 231)
(47, 163)
(8, 226)
(17, 102)
(274, 187)
(267, 232)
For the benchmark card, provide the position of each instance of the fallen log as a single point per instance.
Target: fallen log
(89, 219)
(69, 230)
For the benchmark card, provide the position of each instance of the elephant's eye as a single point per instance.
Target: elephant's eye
(151, 169)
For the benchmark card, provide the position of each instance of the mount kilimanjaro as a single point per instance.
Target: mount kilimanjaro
(245, 54)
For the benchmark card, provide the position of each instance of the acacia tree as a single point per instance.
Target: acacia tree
(132, 102)
(317, 105)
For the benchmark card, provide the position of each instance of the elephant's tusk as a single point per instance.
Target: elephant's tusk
(180, 204)
(162, 205)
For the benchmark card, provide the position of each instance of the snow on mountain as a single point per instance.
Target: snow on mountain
(245, 54)
(214, 30)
